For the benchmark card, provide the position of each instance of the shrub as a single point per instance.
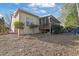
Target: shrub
(19, 25)
(58, 29)
(69, 29)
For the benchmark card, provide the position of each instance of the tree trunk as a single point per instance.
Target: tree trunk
(18, 34)
(77, 13)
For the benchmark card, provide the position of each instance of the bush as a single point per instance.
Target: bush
(69, 29)
(57, 29)
(19, 24)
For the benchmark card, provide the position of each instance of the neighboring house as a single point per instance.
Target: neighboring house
(32, 23)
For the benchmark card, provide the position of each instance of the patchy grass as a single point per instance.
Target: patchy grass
(39, 45)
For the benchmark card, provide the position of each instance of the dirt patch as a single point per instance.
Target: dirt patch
(39, 45)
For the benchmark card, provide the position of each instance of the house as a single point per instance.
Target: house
(47, 22)
(32, 23)
(28, 19)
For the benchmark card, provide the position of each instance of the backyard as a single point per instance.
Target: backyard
(39, 44)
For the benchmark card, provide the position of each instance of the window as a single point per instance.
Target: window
(28, 21)
(47, 20)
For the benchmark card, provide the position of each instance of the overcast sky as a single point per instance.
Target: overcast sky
(39, 9)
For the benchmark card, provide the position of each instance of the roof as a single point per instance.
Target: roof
(55, 19)
(52, 17)
(20, 10)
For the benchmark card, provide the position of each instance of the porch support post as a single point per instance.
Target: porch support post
(49, 23)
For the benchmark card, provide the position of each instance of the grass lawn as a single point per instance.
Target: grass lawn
(39, 44)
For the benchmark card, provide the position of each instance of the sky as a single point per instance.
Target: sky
(39, 9)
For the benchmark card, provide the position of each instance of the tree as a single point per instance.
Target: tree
(19, 25)
(3, 27)
(77, 6)
(69, 15)
(71, 20)
(2, 21)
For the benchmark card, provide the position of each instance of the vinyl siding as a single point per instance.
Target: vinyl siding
(24, 17)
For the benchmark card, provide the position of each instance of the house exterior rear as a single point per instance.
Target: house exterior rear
(32, 23)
